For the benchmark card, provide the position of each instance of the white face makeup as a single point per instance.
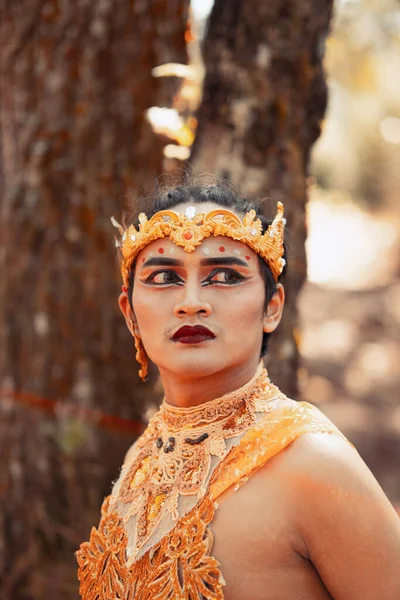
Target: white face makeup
(214, 287)
(218, 286)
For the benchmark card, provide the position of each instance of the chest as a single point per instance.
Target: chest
(252, 529)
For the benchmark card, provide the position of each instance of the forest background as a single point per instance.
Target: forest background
(97, 100)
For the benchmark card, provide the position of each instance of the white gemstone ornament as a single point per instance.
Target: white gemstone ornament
(133, 237)
(253, 232)
(190, 212)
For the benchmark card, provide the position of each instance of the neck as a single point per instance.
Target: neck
(184, 392)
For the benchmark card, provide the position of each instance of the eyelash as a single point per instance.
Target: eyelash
(238, 277)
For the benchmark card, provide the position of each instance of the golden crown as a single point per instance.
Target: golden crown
(189, 229)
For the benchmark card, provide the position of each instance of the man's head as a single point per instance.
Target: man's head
(223, 285)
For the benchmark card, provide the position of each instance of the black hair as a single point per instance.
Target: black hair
(225, 196)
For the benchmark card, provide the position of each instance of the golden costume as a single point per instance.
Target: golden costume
(155, 539)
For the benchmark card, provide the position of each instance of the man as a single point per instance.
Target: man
(234, 491)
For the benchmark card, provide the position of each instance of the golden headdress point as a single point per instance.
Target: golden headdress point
(189, 229)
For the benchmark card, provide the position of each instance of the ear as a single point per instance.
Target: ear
(273, 315)
(129, 315)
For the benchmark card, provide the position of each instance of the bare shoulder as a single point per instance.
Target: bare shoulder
(328, 459)
(350, 530)
(326, 466)
(326, 456)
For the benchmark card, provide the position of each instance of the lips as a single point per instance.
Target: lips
(193, 334)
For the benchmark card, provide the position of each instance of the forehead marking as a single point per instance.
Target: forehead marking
(171, 250)
(206, 250)
(236, 251)
(161, 250)
(247, 257)
(222, 248)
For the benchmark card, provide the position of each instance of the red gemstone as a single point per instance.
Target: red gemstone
(188, 235)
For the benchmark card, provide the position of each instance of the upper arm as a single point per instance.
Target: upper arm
(350, 529)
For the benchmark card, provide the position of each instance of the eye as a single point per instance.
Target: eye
(163, 278)
(225, 276)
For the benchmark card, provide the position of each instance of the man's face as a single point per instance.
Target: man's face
(217, 287)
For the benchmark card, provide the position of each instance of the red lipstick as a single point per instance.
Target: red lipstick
(193, 334)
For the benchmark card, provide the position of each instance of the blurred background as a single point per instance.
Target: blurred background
(100, 103)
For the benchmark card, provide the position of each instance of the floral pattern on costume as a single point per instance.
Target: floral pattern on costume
(180, 565)
(102, 561)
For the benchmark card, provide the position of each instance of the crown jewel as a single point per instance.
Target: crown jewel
(188, 230)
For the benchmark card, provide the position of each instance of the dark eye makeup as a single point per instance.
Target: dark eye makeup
(164, 277)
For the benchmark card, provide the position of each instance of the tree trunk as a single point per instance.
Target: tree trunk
(263, 100)
(75, 146)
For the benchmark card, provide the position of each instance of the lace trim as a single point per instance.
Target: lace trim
(176, 418)
(175, 463)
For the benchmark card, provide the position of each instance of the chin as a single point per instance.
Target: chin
(196, 364)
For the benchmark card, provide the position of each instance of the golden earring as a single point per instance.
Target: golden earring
(141, 357)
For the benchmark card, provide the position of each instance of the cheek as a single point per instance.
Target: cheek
(153, 310)
(245, 312)
(146, 309)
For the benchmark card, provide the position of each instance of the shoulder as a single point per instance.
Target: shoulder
(322, 461)
(312, 448)
(337, 494)
(350, 530)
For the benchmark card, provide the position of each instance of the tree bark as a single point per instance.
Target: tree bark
(263, 100)
(75, 146)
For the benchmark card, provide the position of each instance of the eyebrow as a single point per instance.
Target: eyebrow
(160, 261)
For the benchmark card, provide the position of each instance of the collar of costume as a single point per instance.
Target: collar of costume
(175, 457)
(215, 412)
(189, 229)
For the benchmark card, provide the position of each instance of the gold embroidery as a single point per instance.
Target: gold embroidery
(180, 565)
(102, 570)
(259, 388)
(177, 460)
(155, 505)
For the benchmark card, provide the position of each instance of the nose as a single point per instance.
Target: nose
(192, 301)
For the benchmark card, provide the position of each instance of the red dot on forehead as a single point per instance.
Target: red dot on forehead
(247, 257)
(161, 250)
(143, 259)
(222, 248)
